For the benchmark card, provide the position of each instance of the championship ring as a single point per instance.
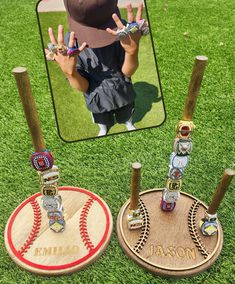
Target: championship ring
(132, 27)
(183, 146)
(170, 196)
(50, 56)
(179, 162)
(52, 47)
(175, 173)
(72, 51)
(208, 227)
(174, 185)
(61, 48)
(121, 33)
(55, 215)
(42, 161)
(51, 203)
(50, 176)
(185, 128)
(167, 206)
(134, 219)
(143, 27)
(57, 226)
(49, 190)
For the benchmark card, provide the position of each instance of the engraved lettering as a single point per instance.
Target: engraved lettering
(60, 251)
(68, 250)
(47, 251)
(54, 250)
(159, 251)
(38, 252)
(172, 252)
(151, 250)
(181, 252)
(190, 253)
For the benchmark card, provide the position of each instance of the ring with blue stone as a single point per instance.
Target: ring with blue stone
(52, 47)
(132, 27)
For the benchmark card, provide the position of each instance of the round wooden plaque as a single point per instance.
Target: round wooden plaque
(36, 248)
(169, 243)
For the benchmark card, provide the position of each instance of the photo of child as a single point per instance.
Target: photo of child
(99, 56)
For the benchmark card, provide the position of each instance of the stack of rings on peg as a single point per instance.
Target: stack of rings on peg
(43, 163)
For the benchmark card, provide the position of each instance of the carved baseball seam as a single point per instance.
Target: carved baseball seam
(83, 225)
(193, 230)
(36, 227)
(145, 228)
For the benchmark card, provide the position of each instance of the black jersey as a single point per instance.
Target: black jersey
(109, 88)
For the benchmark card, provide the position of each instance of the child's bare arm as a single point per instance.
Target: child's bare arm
(78, 82)
(129, 43)
(67, 62)
(130, 64)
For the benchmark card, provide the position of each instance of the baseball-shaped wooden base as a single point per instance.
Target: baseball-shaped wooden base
(169, 243)
(36, 248)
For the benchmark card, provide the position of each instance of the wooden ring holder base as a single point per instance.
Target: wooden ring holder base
(169, 243)
(36, 248)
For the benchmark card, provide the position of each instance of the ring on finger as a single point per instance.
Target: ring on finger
(143, 27)
(52, 47)
(50, 56)
(72, 51)
(121, 33)
(132, 27)
(62, 49)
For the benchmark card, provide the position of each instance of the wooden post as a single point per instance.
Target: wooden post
(194, 86)
(220, 191)
(25, 92)
(135, 185)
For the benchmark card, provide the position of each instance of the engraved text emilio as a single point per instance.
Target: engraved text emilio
(68, 250)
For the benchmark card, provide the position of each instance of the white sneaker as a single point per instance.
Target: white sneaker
(130, 126)
(102, 133)
(103, 130)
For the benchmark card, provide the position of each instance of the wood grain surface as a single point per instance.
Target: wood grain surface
(36, 248)
(194, 86)
(169, 243)
(27, 99)
(221, 190)
(135, 185)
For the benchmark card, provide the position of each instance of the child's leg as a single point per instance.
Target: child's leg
(104, 120)
(124, 115)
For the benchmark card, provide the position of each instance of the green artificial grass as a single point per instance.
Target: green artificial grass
(103, 165)
(74, 120)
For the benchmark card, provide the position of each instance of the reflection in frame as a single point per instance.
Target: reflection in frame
(74, 120)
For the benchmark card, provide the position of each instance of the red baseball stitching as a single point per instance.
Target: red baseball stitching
(83, 225)
(36, 227)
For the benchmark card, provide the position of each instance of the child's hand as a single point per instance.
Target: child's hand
(130, 43)
(66, 62)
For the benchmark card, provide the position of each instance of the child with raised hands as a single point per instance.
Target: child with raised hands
(99, 58)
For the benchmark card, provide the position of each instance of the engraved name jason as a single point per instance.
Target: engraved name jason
(172, 251)
(47, 251)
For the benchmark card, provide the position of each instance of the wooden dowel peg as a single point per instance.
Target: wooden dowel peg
(220, 191)
(25, 92)
(135, 185)
(194, 86)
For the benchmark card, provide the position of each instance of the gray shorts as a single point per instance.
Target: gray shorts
(120, 115)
